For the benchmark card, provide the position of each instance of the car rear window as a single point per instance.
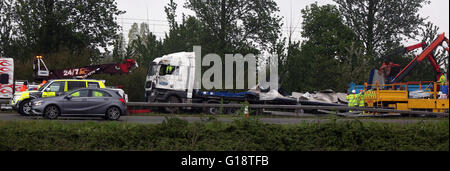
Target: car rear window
(72, 85)
(118, 94)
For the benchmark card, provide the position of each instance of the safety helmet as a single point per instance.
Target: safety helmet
(353, 91)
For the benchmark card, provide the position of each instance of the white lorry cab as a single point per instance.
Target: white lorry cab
(171, 78)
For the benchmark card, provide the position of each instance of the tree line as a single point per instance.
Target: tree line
(340, 43)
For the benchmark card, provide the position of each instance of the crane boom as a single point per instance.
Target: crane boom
(427, 53)
(42, 73)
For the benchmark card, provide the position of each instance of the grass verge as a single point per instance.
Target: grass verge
(241, 135)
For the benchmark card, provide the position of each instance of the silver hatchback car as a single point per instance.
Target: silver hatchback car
(86, 101)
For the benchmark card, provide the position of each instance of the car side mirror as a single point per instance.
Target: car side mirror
(47, 89)
(68, 97)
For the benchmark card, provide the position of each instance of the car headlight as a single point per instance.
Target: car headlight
(37, 103)
(15, 99)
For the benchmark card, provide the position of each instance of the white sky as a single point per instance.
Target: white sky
(152, 11)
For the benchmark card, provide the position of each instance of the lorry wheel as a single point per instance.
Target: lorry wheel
(172, 99)
(212, 110)
(233, 111)
(25, 108)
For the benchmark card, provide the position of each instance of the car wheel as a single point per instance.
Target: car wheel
(51, 112)
(113, 113)
(25, 108)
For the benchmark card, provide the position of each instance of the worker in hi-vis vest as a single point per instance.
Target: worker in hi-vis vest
(169, 69)
(361, 98)
(43, 82)
(442, 80)
(351, 98)
(24, 87)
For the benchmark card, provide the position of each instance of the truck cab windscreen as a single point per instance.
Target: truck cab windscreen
(153, 69)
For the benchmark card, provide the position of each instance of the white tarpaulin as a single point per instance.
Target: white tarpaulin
(266, 94)
(326, 96)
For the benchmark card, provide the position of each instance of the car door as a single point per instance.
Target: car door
(54, 89)
(77, 104)
(99, 101)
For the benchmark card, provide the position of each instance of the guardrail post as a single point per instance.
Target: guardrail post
(204, 106)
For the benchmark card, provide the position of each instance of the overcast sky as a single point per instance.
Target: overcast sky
(152, 11)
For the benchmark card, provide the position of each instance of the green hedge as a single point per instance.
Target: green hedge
(246, 135)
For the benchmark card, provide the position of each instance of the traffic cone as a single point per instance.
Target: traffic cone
(246, 113)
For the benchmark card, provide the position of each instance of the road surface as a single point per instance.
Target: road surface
(160, 119)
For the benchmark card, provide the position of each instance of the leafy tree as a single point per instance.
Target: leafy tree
(182, 37)
(232, 27)
(5, 25)
(143, 45)
(119, 50)
(170, 10)
(45, 26)
(238, 25)
(288, 68)
(381, 23)
(133, 33)
(186, 35)
(323, 56)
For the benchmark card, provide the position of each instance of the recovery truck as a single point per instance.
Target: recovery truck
(170, 79)
(390, 92)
